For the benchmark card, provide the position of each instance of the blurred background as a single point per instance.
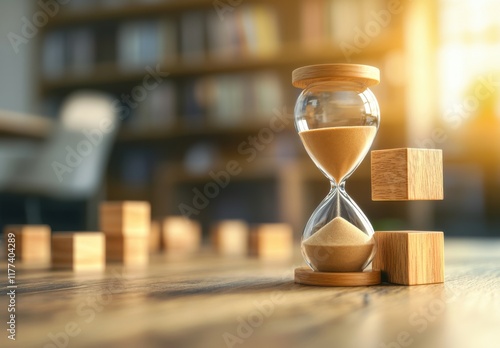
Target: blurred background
(166, 101)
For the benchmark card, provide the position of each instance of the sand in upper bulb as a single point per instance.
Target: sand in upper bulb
(337, 150)
(339, 246)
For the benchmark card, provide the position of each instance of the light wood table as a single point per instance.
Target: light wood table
(13, 124)
(207, 301)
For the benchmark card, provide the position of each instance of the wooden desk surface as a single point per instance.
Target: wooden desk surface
(13, 124)
(215, 302)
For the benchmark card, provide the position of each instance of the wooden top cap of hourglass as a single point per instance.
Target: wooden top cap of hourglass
(363, 74)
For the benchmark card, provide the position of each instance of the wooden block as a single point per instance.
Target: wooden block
(79, 251)
(128, 250)
(410, 257)
(155, 237)
(273, 241)
(129, 218)
(230, 237)
(407, 174)
(180, 235)
(32, 243)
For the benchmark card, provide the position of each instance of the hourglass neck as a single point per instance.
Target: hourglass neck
(335, 186)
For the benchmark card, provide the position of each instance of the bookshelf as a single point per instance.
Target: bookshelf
(225, 78)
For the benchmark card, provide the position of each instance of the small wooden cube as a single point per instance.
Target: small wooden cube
(32, 243)
(155, 237)
(273, 241)
(407, 174)
(128, 250)
(180, 235)
(410, 257)
(79, 251)
(230, 237)
(129, 218)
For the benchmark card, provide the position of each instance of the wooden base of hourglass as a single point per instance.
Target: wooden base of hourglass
(306, 276)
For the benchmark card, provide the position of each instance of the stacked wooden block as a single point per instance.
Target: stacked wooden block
(408, 257)
(128, 236)
(78, 251)
(126, 225)
(31, 243)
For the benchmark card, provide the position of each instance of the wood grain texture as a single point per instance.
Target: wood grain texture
(78, 251)
(230, 237)
(410, 257)
(407, 174)
(364, 75)
(128, 250)
(271, 241)
(130, 218)
(305, 275)
(32, 242)
(198, 302)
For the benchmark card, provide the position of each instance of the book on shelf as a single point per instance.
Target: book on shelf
(105, 48)
(222, 37)
(142, 43)
(54, 54)
(193, 37)
(194, 106)
(157, 112)
(232, 100)
(250, 31)
(335, 21)
(264, 24)
(128, 46)
(227, 107)
(136, 167)
(200, 157)
(313, 23)
(268, 94)
(258, 30)
(167, 41)
(81, 51)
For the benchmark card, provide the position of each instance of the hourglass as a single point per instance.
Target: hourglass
(337, 118)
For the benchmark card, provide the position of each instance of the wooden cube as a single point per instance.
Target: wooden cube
(129, 218)
(32, 243)
(180, 235)
(155, 237)
(410, 257)
(274, 241)
(79, 251)
(407, 174)
(230, 237)
(127, 250)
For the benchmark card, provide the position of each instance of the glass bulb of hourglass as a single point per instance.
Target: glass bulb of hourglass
(337, 123)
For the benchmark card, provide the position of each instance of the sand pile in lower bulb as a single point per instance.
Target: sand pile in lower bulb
(339, 246)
